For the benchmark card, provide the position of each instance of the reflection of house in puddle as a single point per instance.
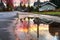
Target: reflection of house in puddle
(45, 31)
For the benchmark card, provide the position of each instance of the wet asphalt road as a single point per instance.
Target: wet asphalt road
(6, 29)
(6, 25)
(4, 33)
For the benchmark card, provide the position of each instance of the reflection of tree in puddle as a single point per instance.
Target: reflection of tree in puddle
(54, 29)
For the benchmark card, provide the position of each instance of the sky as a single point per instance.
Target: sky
(43, 0)
(32, 1)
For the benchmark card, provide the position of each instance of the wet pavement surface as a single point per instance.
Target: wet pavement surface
(4, 32)
(44, 34)
(6, 25)
(21, 31)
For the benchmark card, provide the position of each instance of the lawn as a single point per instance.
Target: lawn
(48, 13)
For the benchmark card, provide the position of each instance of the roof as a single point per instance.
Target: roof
(48, 3)
(44, 3)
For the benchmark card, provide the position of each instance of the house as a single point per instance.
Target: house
(1, 6)
(46, 6)
(36, 4)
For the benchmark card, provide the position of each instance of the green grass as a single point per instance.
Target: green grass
(48, 13)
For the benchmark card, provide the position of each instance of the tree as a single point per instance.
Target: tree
(9, 4)
(56, 2)
(31, 8)
(20, 5)
(24, 6)
(9, 8)
(28, 8)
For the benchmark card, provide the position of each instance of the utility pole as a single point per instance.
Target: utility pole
(38, 1)
(37, 31)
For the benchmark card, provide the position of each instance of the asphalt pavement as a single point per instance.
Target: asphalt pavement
(4, 34)
(7, 20)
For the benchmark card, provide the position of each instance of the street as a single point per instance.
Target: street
(7, 21)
